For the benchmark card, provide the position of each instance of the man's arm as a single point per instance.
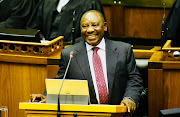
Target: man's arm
(134, 84)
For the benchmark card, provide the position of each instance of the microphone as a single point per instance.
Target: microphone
(73, 28)
(71, 56)
(163, 39)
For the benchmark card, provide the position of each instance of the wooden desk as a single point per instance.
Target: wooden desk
(24, 66)
(163, 81)
(145, 54)
(50, 110)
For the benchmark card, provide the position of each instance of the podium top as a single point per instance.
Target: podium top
(67, 107)
(31, 48)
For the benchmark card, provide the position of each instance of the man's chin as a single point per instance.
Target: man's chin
(93, 43)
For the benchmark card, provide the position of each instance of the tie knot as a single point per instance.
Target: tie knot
(95, 49)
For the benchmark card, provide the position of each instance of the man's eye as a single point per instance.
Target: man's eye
(95, 25)
(84, 26)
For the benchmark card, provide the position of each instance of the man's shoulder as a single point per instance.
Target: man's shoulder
(118, 44)
(73, 47)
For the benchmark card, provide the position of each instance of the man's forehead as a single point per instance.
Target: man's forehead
(93, 17)
(91, 22)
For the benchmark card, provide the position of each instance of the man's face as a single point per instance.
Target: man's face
(92, 28)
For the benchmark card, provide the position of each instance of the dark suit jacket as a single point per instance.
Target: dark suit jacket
(123, 78)
(172, 25)
(45, 13)
(15, 13)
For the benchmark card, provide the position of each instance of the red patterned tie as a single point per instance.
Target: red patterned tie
(100, 80)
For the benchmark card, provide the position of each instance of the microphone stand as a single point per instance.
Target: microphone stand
(163, 28)
(73, 28)
(71, 56)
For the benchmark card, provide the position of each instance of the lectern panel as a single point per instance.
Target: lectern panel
(163, 82)
(17, 82)
(24, 66)
(171, 88)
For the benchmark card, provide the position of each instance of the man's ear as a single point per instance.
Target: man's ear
(105, 26)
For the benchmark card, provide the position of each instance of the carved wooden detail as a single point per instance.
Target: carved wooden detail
(170, 53)
(31, 49)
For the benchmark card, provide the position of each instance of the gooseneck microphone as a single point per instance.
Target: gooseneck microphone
(73, 28)
(163, 39)
(71, 56)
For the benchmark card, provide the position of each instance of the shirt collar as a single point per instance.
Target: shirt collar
(101, 45)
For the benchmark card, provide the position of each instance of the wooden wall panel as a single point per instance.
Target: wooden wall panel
(143, 22)
(134, 22)
(108, 15)
(115, 20)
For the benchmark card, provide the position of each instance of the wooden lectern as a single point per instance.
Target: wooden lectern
(24, 66)
(163, 80)
(50, 110)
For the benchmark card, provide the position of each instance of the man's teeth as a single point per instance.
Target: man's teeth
(91, 36)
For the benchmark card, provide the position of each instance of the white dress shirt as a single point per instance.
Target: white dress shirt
(102, 53)
(61, 4)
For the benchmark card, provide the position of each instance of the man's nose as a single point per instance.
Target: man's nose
(90, 29)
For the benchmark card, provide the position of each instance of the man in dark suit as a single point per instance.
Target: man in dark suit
(122, 83)
(172, 25)
(53, 22)
(15, 13)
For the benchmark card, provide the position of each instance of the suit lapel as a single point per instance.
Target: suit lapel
(111, 62)
(82, 60)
